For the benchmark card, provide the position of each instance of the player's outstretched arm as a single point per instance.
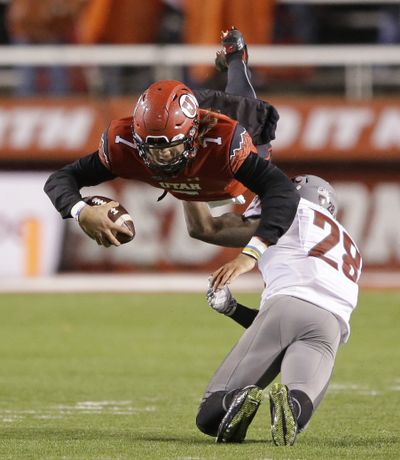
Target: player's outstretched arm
(228, 230)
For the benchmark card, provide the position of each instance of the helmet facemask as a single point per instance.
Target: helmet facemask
(172, 167)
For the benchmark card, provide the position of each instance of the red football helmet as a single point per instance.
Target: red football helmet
(166, 116)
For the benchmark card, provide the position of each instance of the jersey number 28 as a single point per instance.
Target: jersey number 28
(351, 259)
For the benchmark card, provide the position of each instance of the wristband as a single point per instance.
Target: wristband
(76, 209)
(255, 248)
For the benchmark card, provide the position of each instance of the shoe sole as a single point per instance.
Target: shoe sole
(234, 425)
(283, 424)
(223, 66)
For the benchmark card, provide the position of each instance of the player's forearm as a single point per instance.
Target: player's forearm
(63, 190)
(199, 221)
(63, 186)
(228, 230)
(279, 198)
(244, 315)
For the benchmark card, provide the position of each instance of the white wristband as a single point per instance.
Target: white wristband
(255, 248)
(77, 208)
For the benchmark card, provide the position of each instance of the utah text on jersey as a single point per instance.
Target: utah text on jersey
(189, 187)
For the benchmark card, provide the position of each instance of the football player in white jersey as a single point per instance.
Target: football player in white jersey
(310, 277)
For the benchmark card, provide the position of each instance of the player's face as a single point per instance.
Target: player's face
(166, 155)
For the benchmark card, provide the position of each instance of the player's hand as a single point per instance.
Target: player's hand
(231, 270)
(221, 300)
(95, 222)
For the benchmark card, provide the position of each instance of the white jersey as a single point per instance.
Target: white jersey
(315, 260)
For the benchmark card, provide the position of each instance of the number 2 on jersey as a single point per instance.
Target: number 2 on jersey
(350, 263)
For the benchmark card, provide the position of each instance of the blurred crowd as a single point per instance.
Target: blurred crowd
(177, 21)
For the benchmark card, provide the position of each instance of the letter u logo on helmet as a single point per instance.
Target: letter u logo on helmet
(189, 105)
(167, 112)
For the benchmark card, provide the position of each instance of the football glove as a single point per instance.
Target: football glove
(221, 300)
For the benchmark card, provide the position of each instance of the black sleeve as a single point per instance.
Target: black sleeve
(279, 198)
(62, 187)
(244, 315)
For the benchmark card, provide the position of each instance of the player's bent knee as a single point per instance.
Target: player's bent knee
(210, 414)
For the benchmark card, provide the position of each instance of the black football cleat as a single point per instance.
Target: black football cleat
(234, 425)
(232, 42)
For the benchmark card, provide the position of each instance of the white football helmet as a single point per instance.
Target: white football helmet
(317, 190)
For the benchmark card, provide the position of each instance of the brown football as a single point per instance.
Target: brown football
(118, 215)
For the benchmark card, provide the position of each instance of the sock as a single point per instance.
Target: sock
(303, 407)
(239, 77)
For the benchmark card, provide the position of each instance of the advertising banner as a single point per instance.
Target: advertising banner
(337, 130)
(35, 240)
(55, 129)
(320, 129)
(31, 231)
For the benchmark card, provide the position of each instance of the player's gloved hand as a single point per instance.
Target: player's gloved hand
(221, 300)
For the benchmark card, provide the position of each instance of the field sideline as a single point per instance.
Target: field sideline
(159, 282)
(104, 376)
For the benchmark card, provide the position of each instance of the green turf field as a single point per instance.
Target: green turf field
(121, 376)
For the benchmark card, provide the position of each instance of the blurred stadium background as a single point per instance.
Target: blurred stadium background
(332, 68)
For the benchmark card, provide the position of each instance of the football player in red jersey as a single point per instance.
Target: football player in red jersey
(193, 153)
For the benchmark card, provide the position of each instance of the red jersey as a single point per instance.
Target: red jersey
(208, 177)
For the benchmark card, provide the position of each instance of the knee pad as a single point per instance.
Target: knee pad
(211, 412)
(303, 408)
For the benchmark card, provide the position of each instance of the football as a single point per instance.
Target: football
(118, 215)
